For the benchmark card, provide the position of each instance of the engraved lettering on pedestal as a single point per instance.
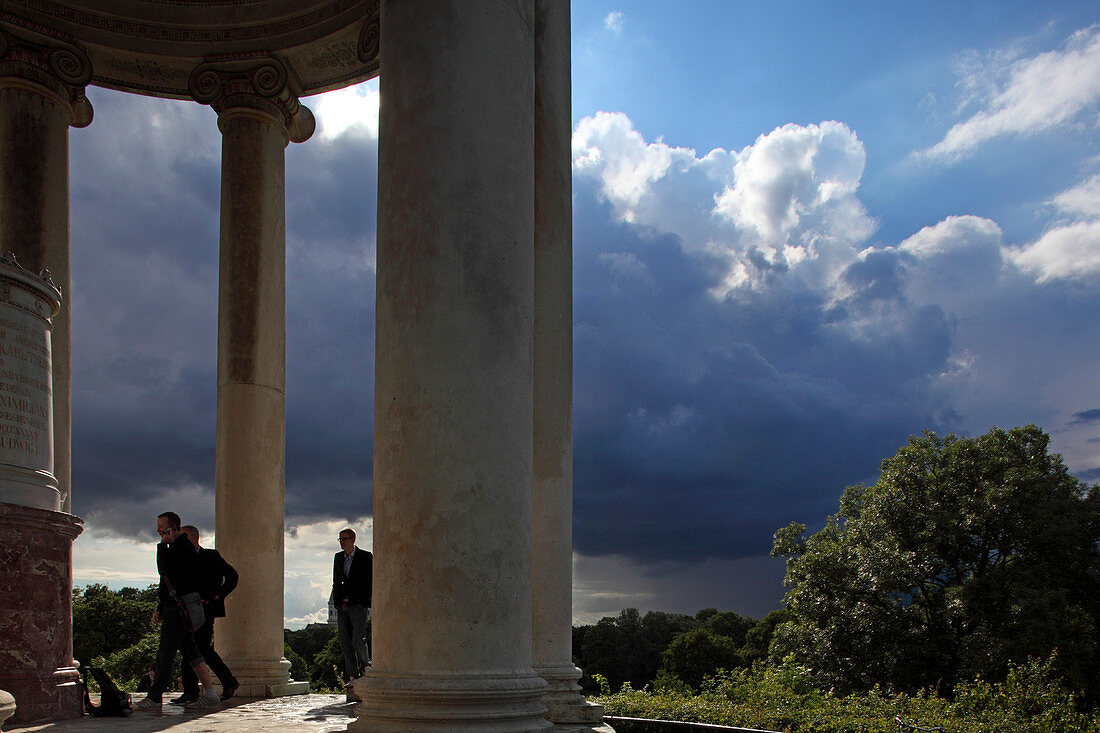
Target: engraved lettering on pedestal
(27, 303)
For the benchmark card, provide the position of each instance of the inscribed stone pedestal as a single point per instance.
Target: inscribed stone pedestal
(27, 302)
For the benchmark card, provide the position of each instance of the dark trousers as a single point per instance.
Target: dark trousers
(204, 639)
(351, 627)
(173, 638)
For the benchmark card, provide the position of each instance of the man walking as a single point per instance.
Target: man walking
(217, 579)
(352, 569)
(178, 565)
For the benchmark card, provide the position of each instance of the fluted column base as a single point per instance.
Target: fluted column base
(7, 706)
(265, 678)
(466, 704)
(563, 699)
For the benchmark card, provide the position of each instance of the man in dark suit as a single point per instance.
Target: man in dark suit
(217, 579)
(178, 566)
(352, 570)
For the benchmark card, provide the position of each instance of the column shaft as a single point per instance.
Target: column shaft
(250, 440)
(452, 461)
(34, 224)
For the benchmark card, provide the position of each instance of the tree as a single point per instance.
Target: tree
(759, 637)
(697, 653)
(627, 647)
(106, 622)
(965, 555)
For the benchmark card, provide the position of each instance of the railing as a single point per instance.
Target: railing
(904, 727)
(648, 725)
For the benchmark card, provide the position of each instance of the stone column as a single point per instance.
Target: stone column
(257, 117)
(36, 613)
(41, 95)
(552, 519)
(452, 457)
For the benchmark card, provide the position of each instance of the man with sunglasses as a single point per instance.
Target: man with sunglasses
(352, 569)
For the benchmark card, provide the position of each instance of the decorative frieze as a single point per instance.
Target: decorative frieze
(255, 83)
(52, 68)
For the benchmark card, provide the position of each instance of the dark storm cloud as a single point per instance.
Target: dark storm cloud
(1085, 417)
(702, 425)
(145, 212)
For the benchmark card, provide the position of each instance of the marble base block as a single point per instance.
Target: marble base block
(265, 678)
(7, 707)
(565, 704)
(283, 689)
(459, 704)
(36, 635)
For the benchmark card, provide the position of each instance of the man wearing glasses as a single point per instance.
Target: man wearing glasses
(178, 565)
(351, 594)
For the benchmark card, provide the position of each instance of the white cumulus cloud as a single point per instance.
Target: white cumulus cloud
(1029, 95)
(614, 21)
(352, 109)
(786, 201)
(1070, 250)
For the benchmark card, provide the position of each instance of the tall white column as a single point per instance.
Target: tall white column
(256, 126)
(41, 96)
(552, 520)
(453, 434)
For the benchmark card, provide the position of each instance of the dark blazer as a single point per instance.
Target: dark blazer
(178, 565)
(356, 586)
(217, 579)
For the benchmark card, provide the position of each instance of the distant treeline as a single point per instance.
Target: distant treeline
(661, 646)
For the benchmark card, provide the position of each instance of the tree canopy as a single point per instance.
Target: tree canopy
(967, 554)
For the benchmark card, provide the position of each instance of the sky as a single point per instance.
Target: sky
(802, 233)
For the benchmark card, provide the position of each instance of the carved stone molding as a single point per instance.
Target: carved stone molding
(369, 36)
(258, 84)
(53, 68)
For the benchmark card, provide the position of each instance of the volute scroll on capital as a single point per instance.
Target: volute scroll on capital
(54, 69)
(255, 84)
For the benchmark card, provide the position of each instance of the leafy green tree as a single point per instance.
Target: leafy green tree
(966, 555)
(731, 625)
(307, 642)
(759, 637)
(326, 671)
(627, 647)
(106, 621)
(128, 664)
(299, 670)
(698, 653)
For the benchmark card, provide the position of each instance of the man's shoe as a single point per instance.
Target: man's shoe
(209, 699)
(148, 703)
(229, 690)
(185, 699)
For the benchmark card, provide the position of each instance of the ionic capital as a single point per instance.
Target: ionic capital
(53, 69)
(256, 87)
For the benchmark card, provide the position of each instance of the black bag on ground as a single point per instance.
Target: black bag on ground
(112, 701)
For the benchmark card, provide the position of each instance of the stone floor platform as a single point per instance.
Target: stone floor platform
(305, 713)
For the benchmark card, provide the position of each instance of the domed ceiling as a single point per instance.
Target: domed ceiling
(153, 46)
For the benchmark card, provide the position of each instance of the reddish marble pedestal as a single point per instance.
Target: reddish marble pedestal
(36, 613)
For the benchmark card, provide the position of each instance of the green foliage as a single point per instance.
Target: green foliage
(783, 698)
(326, 672)
(966, 556)
(299, 670)
(127, 665)
(697, 653)
(628, 647)
(106, 622)
(759, 637)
